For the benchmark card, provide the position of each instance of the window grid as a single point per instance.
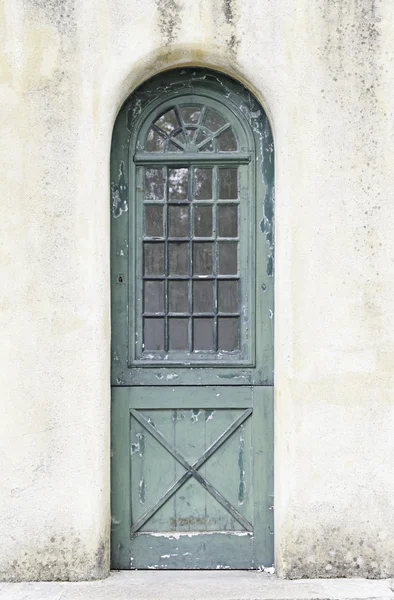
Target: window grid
(195, 127)
(174, 321)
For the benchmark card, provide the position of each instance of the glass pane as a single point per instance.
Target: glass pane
(154, 258)
(178, 258)
(178, 296)
(179, 137)
(154, 296)
(178, 333)
(228, 185)
(203, 334)
(213, 120)
(201, 137)
(154, 184)
(168, 122)
(228, 333)
(203, 221)
(174, 148)
(178, 221)
(207, 148)
(190, 134)
(154, 142)
(203, 184)
(227, 141)
(190, 114)
(203, 296)
(228, 296)
(228, 258)
(177, 184)
(202, 258)
(154, 221)
(228, 220)
(153, 334)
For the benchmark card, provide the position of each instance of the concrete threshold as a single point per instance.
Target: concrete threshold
(200, 585)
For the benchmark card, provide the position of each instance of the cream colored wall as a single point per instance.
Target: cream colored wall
(324, 72)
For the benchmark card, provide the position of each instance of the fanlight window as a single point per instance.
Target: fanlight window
(191, 128)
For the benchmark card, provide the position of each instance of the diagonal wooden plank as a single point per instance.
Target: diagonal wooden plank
(222, 500)
(148, 514)
(203, 458)
(147, 424)
(223, 437)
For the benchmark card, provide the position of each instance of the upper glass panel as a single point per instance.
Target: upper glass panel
(190, 264)
(191, 128)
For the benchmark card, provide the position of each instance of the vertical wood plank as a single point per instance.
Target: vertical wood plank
(263, 475)
(120, 479)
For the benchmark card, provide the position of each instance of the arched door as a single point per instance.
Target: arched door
(192, 343)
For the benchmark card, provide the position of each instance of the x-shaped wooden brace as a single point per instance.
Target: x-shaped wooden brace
(191, 470)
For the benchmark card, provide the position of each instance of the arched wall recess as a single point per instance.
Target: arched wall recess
(192, 331)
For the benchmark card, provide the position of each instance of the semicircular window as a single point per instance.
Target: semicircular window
(191, 128)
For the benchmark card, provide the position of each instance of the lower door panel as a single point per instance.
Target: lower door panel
(192, 477)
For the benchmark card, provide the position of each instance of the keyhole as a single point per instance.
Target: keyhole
(120, 279)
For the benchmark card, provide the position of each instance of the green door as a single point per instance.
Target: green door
(192, 327)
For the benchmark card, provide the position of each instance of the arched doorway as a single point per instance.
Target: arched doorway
(192, 330)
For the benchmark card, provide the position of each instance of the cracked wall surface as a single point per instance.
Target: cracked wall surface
(323, 71)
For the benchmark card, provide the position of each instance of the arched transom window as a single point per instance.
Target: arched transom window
(191, 128)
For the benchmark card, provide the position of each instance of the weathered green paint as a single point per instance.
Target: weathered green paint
(180, 523)
(192, 434)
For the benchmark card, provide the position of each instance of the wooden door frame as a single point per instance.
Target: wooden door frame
(126, 126)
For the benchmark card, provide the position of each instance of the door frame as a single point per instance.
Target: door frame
(126, 127)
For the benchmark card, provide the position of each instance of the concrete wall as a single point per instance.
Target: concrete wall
(324, 72)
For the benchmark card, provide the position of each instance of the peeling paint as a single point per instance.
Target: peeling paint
(241, 458)
(171, 376)
(232, 376)
(139, 446)
(142, 491)
(119, 194)
(195, 413)
(269, 570)
(209, 414)
(176, 535)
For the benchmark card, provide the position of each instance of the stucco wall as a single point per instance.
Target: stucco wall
(324, 72)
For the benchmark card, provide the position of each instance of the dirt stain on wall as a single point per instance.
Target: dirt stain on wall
(169, 19)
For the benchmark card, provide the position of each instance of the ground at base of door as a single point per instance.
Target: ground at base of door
(200, 585)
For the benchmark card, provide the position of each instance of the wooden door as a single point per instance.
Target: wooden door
(192, 307)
